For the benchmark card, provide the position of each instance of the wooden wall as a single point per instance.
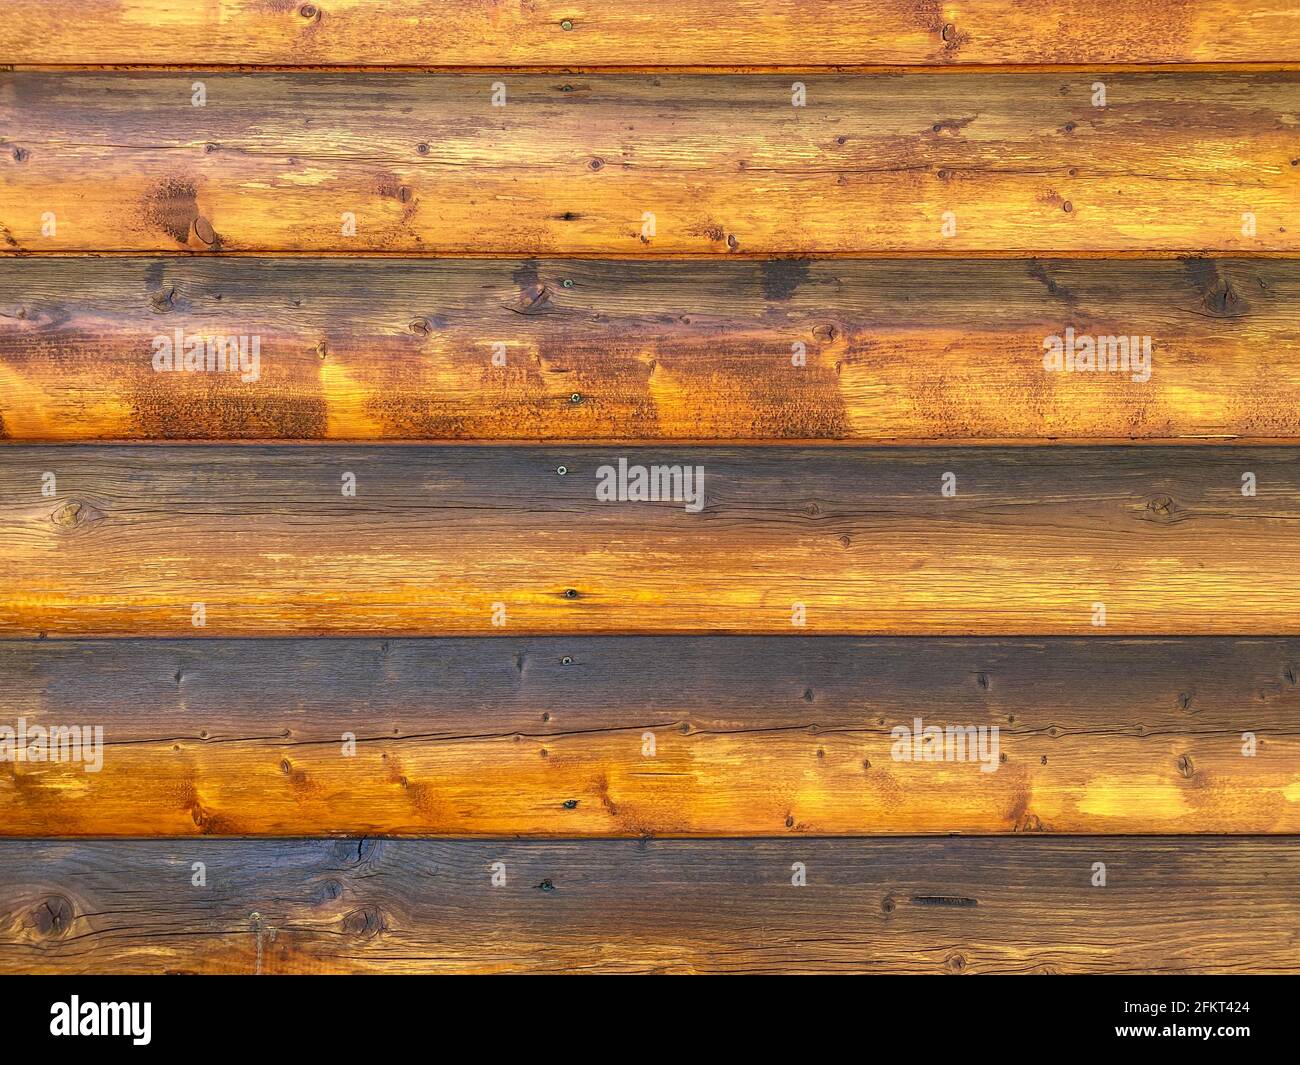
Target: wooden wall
(358, 613)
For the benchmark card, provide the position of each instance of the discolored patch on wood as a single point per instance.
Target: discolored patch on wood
(1220, 298)
(171, 206)
(283, 403)
(782, 277)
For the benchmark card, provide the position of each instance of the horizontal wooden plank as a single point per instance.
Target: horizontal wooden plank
(728, 906)
(378, 349)
(647, 165)
(706, 33)
(444, 540)
(752, 736)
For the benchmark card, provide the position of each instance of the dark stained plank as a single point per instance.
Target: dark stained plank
(706, 33)
(377, 349)
(575, 164)
(752, 736)
(726, 906)
(852, 541)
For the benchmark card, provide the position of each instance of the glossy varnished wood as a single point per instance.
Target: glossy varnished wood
(577, 164)
(893, 351)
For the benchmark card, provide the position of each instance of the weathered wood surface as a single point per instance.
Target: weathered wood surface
(437, 536)
(705, 33)
(577, 164)
(917, 906)
(932, 350)
(752, 736)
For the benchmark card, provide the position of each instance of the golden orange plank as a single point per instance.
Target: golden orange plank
(706, 33)
(648, 165)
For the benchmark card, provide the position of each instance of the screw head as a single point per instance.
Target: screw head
(576, 397)
(566, 661)
(561, 470)
(567, 24)
(570, 593)
(568, 282)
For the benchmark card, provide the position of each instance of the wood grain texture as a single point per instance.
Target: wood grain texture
(435, 536)
(572, 165)
(753, 736)
(726, 906)
(381, 349)
(707, 33)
